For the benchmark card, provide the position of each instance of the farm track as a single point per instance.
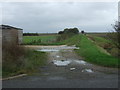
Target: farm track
(73, 75)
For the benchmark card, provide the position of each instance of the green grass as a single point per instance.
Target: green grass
(74, 40)
(93, 54)
(32, 60)
(90, 51)
(40, 40)
(105, 43)
(100, 40)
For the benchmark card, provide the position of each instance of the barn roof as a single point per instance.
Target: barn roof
(8, 27)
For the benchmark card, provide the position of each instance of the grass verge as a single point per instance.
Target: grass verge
(25, 61)
(91, 52)
(106, 44)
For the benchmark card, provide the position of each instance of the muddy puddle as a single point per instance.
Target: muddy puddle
(57, 56)
(87, 70)
(67, 62)
(60, 59)
(48, 50)
(80, 62)
(56, 49)
(61, 62)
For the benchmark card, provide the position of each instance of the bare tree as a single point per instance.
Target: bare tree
(114, 36)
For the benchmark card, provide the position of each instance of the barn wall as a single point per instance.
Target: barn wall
(0, 48)
(20, 36)
(10, 35)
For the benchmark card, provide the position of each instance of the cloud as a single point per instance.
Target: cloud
(52, 16)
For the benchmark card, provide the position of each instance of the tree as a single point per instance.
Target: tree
(82, 32)
(115, 35)
(67, 33)
(60, 32)
(75, 30)
(70, 30)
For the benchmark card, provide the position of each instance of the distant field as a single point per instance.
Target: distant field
(38, 40)
(98, 34)
(104, 35)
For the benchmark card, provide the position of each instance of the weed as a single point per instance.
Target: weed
(18, 60)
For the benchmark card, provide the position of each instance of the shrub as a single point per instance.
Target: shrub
(67, 33)
(70, 30)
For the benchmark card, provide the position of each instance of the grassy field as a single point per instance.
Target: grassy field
(98, 34)
(40, 40)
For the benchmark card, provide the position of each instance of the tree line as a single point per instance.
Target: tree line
(30, 34)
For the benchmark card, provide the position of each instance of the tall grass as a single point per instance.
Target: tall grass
(12, 58)
(17, 60)
(106, 44)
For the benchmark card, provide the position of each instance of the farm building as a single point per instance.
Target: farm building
(11, 34)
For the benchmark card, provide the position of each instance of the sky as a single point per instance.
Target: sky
(51, 17)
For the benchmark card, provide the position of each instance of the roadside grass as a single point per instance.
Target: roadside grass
(40, 40)
(100, 40)
(33, 60)
(90, 51)
(93, 54)
(21, 60)
(105, 43)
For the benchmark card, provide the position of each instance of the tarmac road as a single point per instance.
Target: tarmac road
(77, 74)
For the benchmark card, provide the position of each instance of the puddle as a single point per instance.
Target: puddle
(71, 47)
(49, 50)
(77, 48)
(61, 62)
(87, 70)
(54, 49)
(57, 56)
(66, 62)
(72, 68)
(80, 62)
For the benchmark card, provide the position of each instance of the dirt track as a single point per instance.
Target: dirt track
(73, 75)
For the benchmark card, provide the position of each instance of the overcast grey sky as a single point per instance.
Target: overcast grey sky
(52, 16)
